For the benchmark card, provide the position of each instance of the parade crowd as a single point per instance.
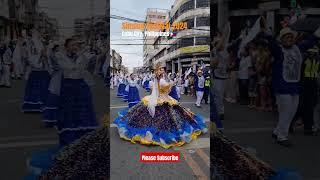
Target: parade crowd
(270, 72)
(58, 79)
(194, 84)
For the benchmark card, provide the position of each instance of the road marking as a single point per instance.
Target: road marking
(204, 156)
(28, 144)
(248, 130)
(199, 143)
(194, 166)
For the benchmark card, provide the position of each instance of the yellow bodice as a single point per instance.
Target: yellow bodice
(164, 90)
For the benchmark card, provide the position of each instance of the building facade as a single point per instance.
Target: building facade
(115, 62)
(152, 16)
(92, 30)
(189, 47)
(241, 13)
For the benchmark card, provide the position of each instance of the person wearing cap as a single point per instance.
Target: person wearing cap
(286, 73)
(199, 87)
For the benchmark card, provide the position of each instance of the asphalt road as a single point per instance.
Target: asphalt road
(252, 129)
(23, 134)
(125, 163)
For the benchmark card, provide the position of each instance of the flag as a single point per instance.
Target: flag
(187, 72)
(250, 36)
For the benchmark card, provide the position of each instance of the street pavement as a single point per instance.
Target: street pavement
(124, 155)
(23, 134)
(252, 129)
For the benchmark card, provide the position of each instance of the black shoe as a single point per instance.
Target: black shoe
(285, 143)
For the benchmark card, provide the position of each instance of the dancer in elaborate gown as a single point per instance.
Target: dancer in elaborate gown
(159, 119)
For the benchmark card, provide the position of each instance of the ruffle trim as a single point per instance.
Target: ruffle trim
(148, 136)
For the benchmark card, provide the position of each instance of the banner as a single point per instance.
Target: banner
(195, 49)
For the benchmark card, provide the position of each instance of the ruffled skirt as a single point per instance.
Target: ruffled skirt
(76, 115)
(121, 89)
(172, 125)
(133, 96)
(36, 91)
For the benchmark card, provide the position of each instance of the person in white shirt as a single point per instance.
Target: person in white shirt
(245, 67)
(186, 85)
(199, 86)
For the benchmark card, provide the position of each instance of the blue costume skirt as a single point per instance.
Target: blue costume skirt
(121, 89)
(172, 125)
(125, 94)
(174, 94)
(146, 86)
(50, 110)
(76, 114)
(36, 91)
(133, 97)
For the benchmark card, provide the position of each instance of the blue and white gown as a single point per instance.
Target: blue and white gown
(121, 87)
(36, 89)
(146, 83)
(173, 92)
(76, 115)
(126, 91)
(50, 110)
(133, 97)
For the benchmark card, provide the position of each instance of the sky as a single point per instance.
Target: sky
(65, 11)
(132, 55)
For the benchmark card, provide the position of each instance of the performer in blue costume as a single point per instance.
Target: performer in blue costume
(126, 89)
(146, 83)
(173, 92)
(50, 110)
(133, 91)
(36, 89)
(121, 86)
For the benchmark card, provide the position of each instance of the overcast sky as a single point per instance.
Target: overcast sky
(132, 55)
(65, 11)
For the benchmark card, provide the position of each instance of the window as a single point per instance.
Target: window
(172, 48)
(186, 6)
(203, 21)
(203, 3)
(186, 42)
(202, 40)
(190, 23)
